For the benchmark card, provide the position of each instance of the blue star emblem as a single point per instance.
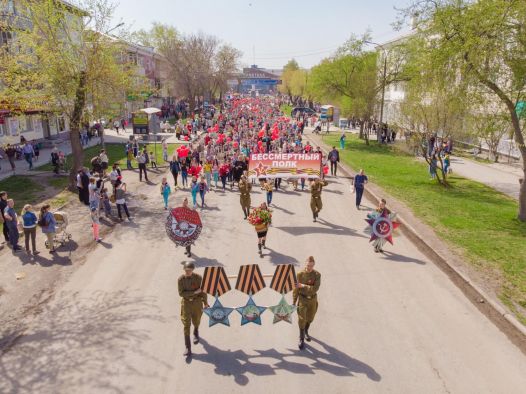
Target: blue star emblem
(251, 313)
(283, 311)
(218, 314)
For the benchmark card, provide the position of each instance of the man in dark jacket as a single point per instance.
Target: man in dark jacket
(84, 180)
(175, 168)
(334, 158)
(3, 205)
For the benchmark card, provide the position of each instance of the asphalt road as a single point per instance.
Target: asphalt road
(386, 323)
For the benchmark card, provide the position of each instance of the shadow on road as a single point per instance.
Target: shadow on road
(402, 259)
(203, 261)
(330, 229)
(279, 258)
(83, 343)
(275, 207)
(320, 357)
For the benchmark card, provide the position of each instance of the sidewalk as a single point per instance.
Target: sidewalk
(499, 176)
(110, 137)
(44, 158)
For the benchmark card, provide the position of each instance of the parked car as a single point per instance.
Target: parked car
(306, 110)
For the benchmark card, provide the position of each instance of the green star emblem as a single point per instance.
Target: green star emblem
(283, 311)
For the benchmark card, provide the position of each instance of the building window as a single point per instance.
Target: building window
(61, 124)
(5, 37)
(7, 7)
(3, 129)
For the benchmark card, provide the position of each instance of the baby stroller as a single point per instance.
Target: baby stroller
(61, 234)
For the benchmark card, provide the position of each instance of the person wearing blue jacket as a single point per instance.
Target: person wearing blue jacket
(48, 224)
(30, 228)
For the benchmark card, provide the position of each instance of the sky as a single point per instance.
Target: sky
(270, 32)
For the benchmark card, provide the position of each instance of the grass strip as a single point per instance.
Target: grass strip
(479, 220)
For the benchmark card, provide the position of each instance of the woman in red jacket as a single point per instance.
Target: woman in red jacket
(223, 173)
(194, 170)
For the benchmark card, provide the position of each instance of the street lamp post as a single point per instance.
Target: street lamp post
(384, 82)
(102, 141)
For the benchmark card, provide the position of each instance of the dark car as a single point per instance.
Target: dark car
(306, 110)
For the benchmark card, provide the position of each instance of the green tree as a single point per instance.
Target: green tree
(485, 42)
(198, 64)
(63, 61)
(286, 78)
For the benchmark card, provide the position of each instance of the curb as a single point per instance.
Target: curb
(499, 316)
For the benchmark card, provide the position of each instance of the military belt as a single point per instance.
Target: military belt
(308, 297)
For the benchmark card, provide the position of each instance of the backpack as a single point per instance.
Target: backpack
(42, 222)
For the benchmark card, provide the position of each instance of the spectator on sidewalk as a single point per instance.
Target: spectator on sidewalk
(359, 185)
(129, 158)
(83, 178)
(48, 223)
(94, 196)
(165, 149)
(153, 160)
(36, 150)
(55, 160)
(28, 153)
(95, 224)
(334, 158)
(120, 200)
(142, 160)
(104, 160)
(3, 205)
(11, 221)
(30, 228)
(10, 152)
(116, 125)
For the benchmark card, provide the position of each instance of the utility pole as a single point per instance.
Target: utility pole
(384, 80)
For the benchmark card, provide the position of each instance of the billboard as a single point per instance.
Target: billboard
(284, 165)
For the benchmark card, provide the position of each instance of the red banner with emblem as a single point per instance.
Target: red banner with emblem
(284, 165)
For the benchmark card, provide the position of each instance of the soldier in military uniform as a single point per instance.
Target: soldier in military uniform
(245, 188)
(305, 296)
(192, 301)
(315, 200)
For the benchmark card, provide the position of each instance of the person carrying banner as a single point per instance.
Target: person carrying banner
(245, 188)
(315, 200)
(192, 301)
(305, 296)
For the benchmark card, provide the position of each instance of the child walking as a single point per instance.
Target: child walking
(165, 192)
(95, 224)
(184, 173)
(194, 188)
(215, 172)
(203, 188)
(105, 202)
(153, 160)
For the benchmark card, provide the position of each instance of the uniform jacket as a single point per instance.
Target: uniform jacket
(311, 280)
(187, 287)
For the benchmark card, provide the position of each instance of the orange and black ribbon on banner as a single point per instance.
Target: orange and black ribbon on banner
(284, 279)
(250, 280)
(215, 282)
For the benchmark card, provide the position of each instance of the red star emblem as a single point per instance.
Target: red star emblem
(382, 227)
(261, 169)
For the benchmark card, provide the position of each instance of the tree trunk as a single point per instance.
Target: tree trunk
(519, 139)
(361, 130)
(74, 133)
